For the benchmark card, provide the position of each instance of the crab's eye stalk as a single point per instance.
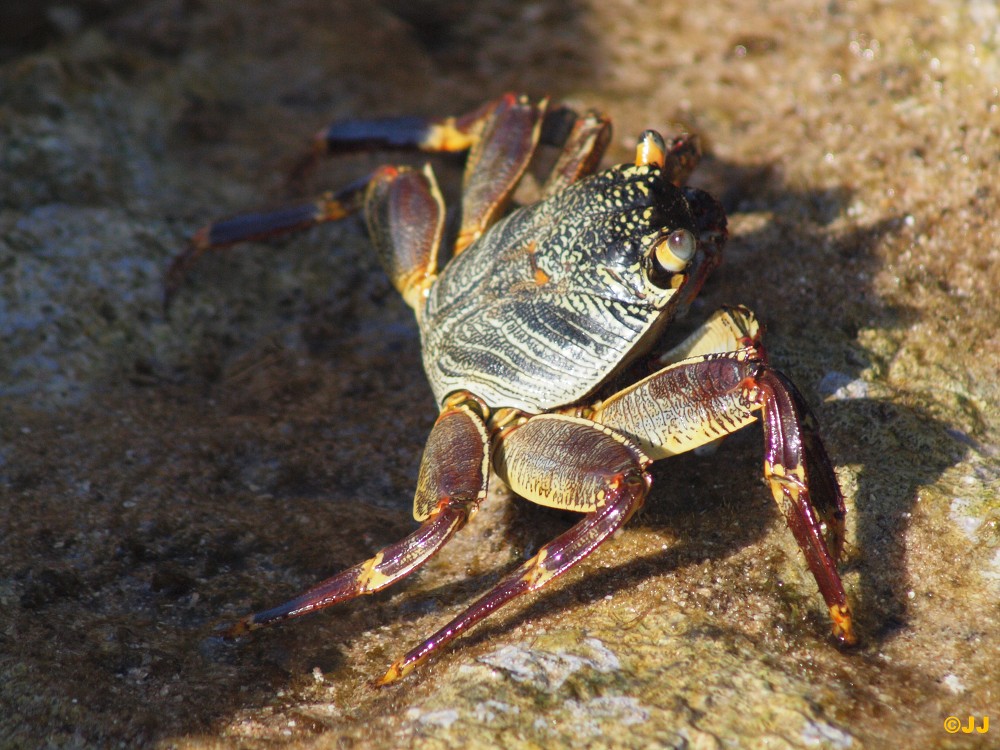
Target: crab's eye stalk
(651, 149)
(673, 254)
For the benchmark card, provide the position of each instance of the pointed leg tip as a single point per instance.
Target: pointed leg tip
(239, 629)
(177, 271)
(847, 637)
(400, 669)
(843, 625)
(170, 289)
(394, 674)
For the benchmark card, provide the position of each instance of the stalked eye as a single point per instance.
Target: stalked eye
(651, 149)
(675, 252)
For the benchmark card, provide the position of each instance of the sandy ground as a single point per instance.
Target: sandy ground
(160, 476)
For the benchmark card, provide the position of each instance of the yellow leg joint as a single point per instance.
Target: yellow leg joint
(782, 479)
(537, 576)
(331, 209)
(446, 136)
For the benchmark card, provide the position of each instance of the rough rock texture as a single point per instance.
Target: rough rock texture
(160, 476)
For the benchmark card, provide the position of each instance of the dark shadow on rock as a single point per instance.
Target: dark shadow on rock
(900, 450)
(812, 287)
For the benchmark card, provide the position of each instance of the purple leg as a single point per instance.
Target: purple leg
(451, 485)
(802, 481)
(261, 225)
(501, 138)
(699, 400)
(562, 462)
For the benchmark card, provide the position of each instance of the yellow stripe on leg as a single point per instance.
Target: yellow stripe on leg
(781, 479)
(536, 576)
(370, 578)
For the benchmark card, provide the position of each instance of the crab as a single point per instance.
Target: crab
(542, 339)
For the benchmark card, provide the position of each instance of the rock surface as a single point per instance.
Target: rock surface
(159, 476)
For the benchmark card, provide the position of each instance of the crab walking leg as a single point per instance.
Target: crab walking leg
(726, 330)
(699, 400)
(496, 162)
(449, 134)
(564, 462)
(405, 215)
(827, 499)
(581, 152)
(404, 211)
(802, 481)
(259, 225)
(451, 484)
(501, 138)
(404, 133)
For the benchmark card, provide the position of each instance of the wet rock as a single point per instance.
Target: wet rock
(161, 475)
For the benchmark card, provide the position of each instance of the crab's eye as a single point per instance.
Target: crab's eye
(676, 251)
